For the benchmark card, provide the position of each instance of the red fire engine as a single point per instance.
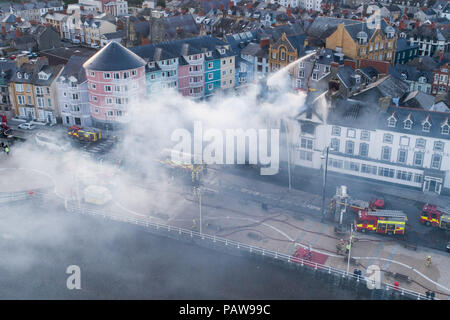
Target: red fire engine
(381, 221)
(435, 216)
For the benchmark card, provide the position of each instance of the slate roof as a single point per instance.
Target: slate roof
(418, 116)
(402, 44)
(177, 48)
(370, 72)
(115, 35)
(345, 74)
(352, 113)
(114, 57)
(74, 68)
(361, 115)
(412, 73)
(185, 22)
(7, 71)
(388, 86)
(418, 99)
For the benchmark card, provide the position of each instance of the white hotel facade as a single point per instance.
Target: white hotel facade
(402, 146)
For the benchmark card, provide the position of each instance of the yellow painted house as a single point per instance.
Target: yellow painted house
(357, 41)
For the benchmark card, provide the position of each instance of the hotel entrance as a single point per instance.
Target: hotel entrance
(432, 184)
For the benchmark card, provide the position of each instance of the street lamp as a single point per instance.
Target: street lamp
(350, 249)
(324, 182)
(198, 193)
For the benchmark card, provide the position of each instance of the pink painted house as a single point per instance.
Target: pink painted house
(116, 80)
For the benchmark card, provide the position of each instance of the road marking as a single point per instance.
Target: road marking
(391, 256)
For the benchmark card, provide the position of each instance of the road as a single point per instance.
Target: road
(311, 183)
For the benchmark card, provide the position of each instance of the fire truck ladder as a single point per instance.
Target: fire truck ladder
(389, 213)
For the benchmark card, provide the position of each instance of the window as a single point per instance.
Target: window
(106, 75)
(335, 144)
(418, 159)
(75, 96)
(349, 147)
(365, 135)
(436, 161)
(407, 124)
(420, 143)
(404, 141)
(306, 143)
(391, 122)
(386, 153)
(108, 89)
(438, 146)
(21, 99)
(133, 73)
(388, 138)
(402, 156)
(116, 75)
(306, 155)
(386, 172)
(417, 178)
(92, 73)
(353, 166)
(336, 131)
(19, 87)
(403, 175)
(364, 149)
(126, 75)
(426, 127)
(109, 100)
(93, 86)
(445, 129)
(335, 163)
(366, 168)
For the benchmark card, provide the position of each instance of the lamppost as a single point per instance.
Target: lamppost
(350, 249)
(324, 182)
(198, 193)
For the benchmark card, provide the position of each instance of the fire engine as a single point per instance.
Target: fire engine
(381, 221)
(435, 216)
(85, 134)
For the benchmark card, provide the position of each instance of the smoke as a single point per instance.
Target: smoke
(148, 130)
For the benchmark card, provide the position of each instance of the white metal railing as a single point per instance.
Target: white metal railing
(145, 222)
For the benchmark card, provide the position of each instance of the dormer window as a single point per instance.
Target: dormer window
(392, 122)
(426, 127)
(19, 75)
(26, 76)
(445, 129)
(408, 124)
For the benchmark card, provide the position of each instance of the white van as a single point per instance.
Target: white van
(51, 142)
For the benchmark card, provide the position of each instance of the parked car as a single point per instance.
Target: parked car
(27, 126)
(51, 142)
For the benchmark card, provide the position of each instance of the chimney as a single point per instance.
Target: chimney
(441, 55)
(334, 67)
(51, 11)
(18, 33)
(384, 103)
(18, 19)
(264, 42)
(3, 30)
